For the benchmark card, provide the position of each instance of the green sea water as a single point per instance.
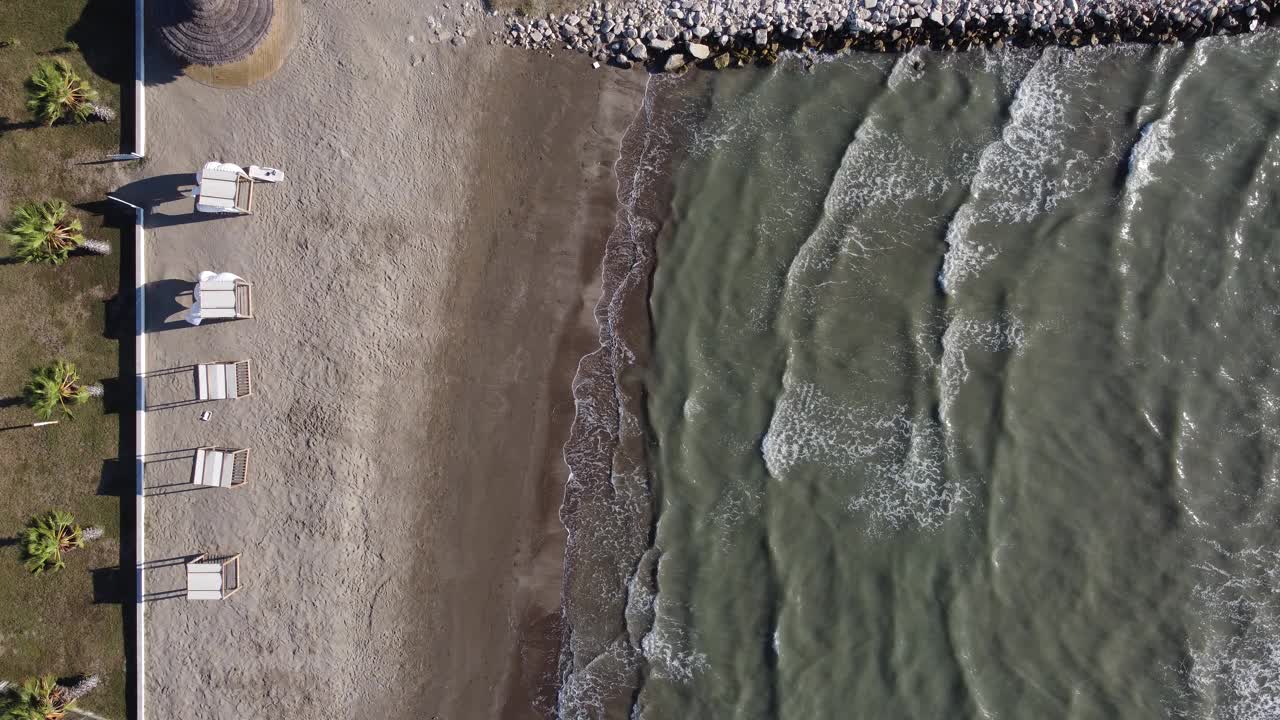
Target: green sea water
(959, 398)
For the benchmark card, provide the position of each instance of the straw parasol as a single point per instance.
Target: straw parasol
(213, 32)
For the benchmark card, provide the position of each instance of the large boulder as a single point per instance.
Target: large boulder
(674, 62)
(699, 51)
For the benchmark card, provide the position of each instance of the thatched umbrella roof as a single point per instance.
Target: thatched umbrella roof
(213, 32)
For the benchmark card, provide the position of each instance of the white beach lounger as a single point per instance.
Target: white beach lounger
(220, 296)
(223, 188)
(223, 380)
(213, 578)
(221, 467)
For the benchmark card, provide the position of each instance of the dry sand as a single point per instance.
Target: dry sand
(423, 283)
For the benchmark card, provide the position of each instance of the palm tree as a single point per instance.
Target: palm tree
(55, 92)
(41, 232)
(57, 385)
(42, 698)
(48, 536)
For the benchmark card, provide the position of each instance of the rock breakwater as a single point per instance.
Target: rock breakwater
(672, 35)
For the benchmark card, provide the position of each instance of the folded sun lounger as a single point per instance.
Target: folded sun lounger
(223, 380)
(221, 467)
(213, 578)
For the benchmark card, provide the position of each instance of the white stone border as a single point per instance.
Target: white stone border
(140, 440)
(139, 80)
(139, 689)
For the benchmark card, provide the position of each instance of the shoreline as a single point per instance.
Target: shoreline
(560, 246)
(610, 507)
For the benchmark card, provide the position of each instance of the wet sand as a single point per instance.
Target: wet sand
(423, 284)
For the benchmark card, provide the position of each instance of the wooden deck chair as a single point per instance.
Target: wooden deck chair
(221, 467)
(213, 578)
(224, 380)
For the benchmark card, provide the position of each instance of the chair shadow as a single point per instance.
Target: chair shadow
(162, 303)
(166, 372)
(169, 561)
(152, 193)
(149, 192)
(169, 371)
(156, 489)
(174, 563)
(162, 220)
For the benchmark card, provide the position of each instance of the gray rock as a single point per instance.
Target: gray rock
(762, 37)
(659, 45)
(638, 52)
(674, 62)
(699, 51)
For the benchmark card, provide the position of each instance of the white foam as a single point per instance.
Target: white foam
(899, 458)
(1150, 152)
(964, 335)
(912, 491)
(1034, 166)
(668, 647)
(583, 692)
(1234, 671)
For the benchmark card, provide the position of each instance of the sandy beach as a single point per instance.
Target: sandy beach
(423, 284)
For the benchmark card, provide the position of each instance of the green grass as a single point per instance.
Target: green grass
(51, 623)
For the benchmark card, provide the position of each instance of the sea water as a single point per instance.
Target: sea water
(957, 394)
